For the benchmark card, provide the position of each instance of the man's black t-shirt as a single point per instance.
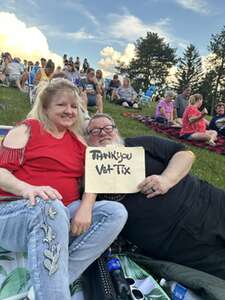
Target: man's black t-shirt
(153, 224)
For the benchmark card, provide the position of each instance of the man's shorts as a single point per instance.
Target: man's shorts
(91, 100)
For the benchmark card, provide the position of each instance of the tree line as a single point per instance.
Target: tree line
(154, 58)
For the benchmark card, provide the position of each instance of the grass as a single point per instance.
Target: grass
(208, 165)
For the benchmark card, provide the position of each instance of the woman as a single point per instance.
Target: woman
(165, 110)
(100, 81)
(41, 164)
(44, 74)
(194, 124)
(125, 95)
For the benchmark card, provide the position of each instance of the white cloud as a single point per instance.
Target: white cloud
(25, 42)
(83, 10)
(111, 57)
(199, 6)
(130, 28)
(80, 35)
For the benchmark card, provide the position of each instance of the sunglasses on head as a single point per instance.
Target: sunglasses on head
(136, 294)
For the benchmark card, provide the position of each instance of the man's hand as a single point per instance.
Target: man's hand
(155, 185)
(44, 192)
(81, 220)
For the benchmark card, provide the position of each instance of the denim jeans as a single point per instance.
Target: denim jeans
(55, 258)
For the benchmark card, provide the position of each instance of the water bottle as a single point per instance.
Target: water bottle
(120, 284)
(178, 291)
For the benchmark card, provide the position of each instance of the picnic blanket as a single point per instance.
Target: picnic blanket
(174, 133)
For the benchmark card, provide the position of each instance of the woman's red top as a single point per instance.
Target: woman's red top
(46, 160)
(198, 126)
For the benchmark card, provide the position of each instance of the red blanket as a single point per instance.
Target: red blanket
(174, 133)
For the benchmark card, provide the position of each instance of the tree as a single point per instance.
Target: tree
(189, 70)
(217, 48)
(154, 57)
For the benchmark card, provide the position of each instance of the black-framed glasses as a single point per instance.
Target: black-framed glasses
(98, 131)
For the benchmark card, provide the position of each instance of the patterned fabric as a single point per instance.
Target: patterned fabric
(175, 133)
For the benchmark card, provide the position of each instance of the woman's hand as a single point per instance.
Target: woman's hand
(45, 192)
(155, 185)
(81, 220)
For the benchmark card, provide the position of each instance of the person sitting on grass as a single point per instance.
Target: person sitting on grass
(165, 110)
(44, 74)
(90, 91)
(125, 95)
(194, 124)
(41, 209)
(218, 121)
(113, 85)
(175, 216)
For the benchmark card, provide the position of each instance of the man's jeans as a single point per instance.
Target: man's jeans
(43, 232)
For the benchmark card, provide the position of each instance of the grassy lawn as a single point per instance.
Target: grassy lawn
(208, 165)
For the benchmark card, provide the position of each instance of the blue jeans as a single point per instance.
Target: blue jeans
(55, 258)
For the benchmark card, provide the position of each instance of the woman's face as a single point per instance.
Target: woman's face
(169, 98)
(62, 111)
(199, 103)
(125, 83)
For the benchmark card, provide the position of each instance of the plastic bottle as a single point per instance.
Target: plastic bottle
(178, 291)
(121, 286)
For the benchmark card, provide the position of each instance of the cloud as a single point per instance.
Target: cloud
(25, 42)
(80, 35)
(79, 7)
(199, 6)
(111, 57)
(130, 28)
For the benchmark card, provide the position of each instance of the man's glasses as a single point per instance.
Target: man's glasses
(98, 131)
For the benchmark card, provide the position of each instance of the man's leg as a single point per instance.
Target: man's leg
(108, 219)
(42, 232)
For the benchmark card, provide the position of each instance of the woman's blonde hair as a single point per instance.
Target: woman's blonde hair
(45, 93)
(195, 98)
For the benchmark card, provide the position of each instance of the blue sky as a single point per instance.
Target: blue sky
(85, 27)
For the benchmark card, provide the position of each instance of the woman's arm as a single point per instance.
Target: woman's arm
(197, 118)
(17, 138)
(177, 168)
(83, 217)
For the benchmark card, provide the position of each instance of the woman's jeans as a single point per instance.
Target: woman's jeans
(56, 258)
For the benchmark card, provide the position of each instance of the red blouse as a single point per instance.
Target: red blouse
(198, 126)
(46, 160)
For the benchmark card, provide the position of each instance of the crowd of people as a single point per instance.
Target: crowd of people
(42, 164)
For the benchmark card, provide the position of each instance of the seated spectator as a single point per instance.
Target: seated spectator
(90, 91)
(165, 110)
(175, 216)
(72, 74)
(218, 121)
(14, 73)
(44, 74)
(125, 95)
(194, 124)
(113, 85)
(100, 81)
(41, 210)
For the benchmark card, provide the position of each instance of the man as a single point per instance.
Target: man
(218, 121)
(90, 91)
(181, 101)
(113, 85)
(173, 216)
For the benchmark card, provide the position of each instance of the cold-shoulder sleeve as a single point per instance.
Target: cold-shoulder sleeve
(12, 158)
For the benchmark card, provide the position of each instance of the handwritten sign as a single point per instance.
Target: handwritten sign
(114, 169)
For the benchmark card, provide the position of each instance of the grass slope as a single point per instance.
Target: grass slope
(208, 165)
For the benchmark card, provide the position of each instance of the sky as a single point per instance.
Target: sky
(104, 31)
